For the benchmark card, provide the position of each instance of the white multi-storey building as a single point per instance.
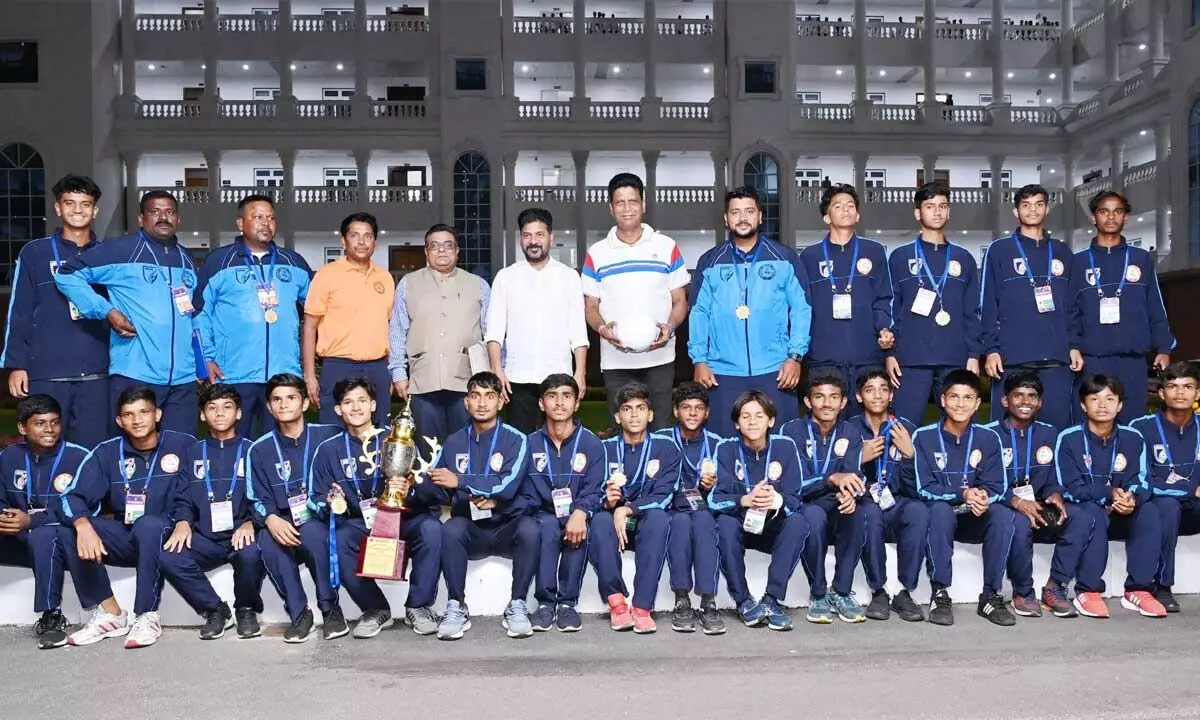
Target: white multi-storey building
(466, 111)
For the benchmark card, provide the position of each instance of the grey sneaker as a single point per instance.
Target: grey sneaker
(847, 607)
(820, 611)
(516, 620)
(372, 623)
(422, 620)
(455, 622)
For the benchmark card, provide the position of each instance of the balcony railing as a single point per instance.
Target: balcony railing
(895, 113)
(308, 195)
(1087, 107)
(966, 114)
(1056, 196)
(396, 109)
(248, 108)
(544, 194)
(543, 25)
(166, 109)
(169, 23)
(893, 31)
(182, 195)
(397, 24)
(1141, 173)
(1032, 33)
(1084, 192)
(822, 28)
(248, 23)
(809, 195)
(682, 26)
(316, 109)
(1130, 87)
(684, 195)
(380, 194)
(1034, 116)
(953, 31)
(614, 26)
(1085, 24)
(825, 112)
(615, 110)
(321, 23)
(685, 111)
(544, 110)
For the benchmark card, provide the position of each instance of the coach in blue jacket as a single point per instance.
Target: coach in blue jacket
(249, 303)
(151, 280)
(749, 324)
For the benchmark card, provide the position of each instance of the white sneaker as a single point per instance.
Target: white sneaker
(145, 631)
(101, 625)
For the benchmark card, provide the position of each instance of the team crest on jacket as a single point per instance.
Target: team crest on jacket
(726, 272)
(497, 462)
(199, 469)
(62, 482)
(461, 461)
(130, 467)
(914, 266)
(1087, 462)
(775, 470)
(1044, 455)
(1133, 274)
(939, 459)
(284, 470)
(242, 275)
(170, 463)
(739, 470)
(976, 457)
(824, 268)
(241, 468)
(895, 453)
(20, 478)
(652, 468)
(955, 268)
(579, 462)
(810, 447)
(1019, 265)
(841, 446)
(1090, 276)
(539, 462)
(349, 467)
(864, 265)
(1160, 454)
(1119, 462)
(766, 271)
(285, 274)
(150, 273)
(1007, 455)
(1057, 267)
(189, 278)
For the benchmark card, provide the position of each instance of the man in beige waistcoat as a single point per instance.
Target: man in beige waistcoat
(440, 311)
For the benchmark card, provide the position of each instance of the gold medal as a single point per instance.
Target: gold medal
(942, 318)
(708, 467)
(617, 479)
(270, 316)
(742, 312)
(337, 504)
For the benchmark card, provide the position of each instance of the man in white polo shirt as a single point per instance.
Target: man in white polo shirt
(633, 276)
(536, 316)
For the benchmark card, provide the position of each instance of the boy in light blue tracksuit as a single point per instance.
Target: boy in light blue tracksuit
(249, 303)
(150, 281)
(750, 319)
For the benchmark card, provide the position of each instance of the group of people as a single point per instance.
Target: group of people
(691, 476)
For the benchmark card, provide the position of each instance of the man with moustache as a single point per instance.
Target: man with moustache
(750, 320)
(535, 325)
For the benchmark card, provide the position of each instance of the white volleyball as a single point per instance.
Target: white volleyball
(636, 333)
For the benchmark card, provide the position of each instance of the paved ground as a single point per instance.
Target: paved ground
(1126, 668)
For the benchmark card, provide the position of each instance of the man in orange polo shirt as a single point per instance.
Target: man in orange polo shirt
(346, 319)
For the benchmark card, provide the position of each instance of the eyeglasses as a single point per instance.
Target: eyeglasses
(436, 246)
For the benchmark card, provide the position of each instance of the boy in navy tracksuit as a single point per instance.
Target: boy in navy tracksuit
(959, 473)
(150, 281)
(213, 523)
(343, 487)
(758, 500)
(693, 539)
(49, 347)
(643, 475)
(1033, 490)
(566, 485)
(482, 468)
(277, 467)
(892, 513)
(1118, 305)
(122, 503)
(829, 451)
(1028, 323)
(33, 475)
(1172, 458)
(850, 294)
(935, 308)
(1102, 469)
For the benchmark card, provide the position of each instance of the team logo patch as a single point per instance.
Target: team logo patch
(130, 467)
(774, 470)
(242, 275)
(170, 463)
(914, 266)
(1019, 266)
(53, 268)
(739, 470)
(1091, 277)
(1160, 454)
(241, 468)
(864, 265)
(1007, 455)
(378, 287)
(1044, 455)
(1057, 267)
(62, 482)
(199, 469)
(539, 462)
(1119, 463)
(20, 478)
(497, 462)
(726, 272)
(285, 274)
(939, 459)
(955, 268)
(824, 268)
(766, 272)
(652, 468)
(810, 447)
(349, 467)
(579, 462)
(150, 274)
(461, 461)
(1087, 461)
(976, 457)
(841, 446)
(189, 278)
(1133, 274)
(284, 470)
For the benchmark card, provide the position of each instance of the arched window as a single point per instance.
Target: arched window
(1194, 181)
(762, 174)
(22, 203)
(473, 213)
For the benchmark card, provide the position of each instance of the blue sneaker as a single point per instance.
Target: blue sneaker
(567, 618)
(819, 610)
(847, 608)
(542, 619)
(516, 620)
(455, 621)
(777, 616)
(752, 613)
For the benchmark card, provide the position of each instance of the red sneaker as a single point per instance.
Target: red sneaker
(1091, 604)
(643, 623)
(1144, 603)
(618, 613)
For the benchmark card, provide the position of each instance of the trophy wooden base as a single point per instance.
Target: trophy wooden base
(384, 556)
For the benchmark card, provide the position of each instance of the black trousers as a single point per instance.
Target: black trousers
(523, 412)
(660, 379)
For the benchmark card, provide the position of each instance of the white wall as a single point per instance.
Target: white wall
(241, 86)
(165, 170)
(670, 90)
(602, 166)
(964, 92)
(531, 163)
(902, 171)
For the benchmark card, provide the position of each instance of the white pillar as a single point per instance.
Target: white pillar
(214, 221)
(1112, 42)
(650, 25)
(928, 165)
(860, 174)
(128, 48)
(579, 9)
(860, 54)
(1066, 58)
(650, 157)
(1116, 149)
(362, 160)
(1070, 208)
(510, 209)
(996, 165)
(132, 192)
(997, 37)
(930, 69)
(287, 202)
(720, 187)
(580, 159)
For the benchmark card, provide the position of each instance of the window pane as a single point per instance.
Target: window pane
(762, 174)
(473, 212)
(1194, 169)
(18, 62)
(22, 202)
(760, 78)
(470, 75)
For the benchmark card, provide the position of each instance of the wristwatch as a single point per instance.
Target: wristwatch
(795, 356)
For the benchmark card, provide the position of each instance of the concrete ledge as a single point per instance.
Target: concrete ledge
(488, 582)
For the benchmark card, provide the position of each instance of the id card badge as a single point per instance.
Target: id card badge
(34, 511)
(135, 507)
(1043, 297)
(267, 296)
(756, 520)
(478, 513)
(562, 502)
(183, 299)
(222, 515)
(694, 499)
(923, 303)
(298, 505)
(369, 511)
(75, 314)
(882, 495)
(1110, 310)
(1024, 492)
(841, 306)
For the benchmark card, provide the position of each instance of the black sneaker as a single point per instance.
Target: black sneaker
(333, 623)
(710, 618)
(995, 610)
(51, 630)
(247, 623)
(941, 612)
(566, 618)
(683, 619)
(1164, 596)
(907, 608)
(878, 608)
(301, 629)
(542, 619)
(216, 622)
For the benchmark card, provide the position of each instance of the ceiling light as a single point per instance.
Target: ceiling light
(195, 234)
(245, 66)
(1052, 171)
(203, 66)
(152, 66)
(616, 69)
(1053, 75)
(883, 73)
(1142, 46)
(964, 232)
(1049, 101)
(1142, 133)
(1011, 75)
(707, 70)
(967, 73)
(293, 67)
(341, 66)
(1141, 219)
(524, 68)
(838, 71)
(878, 232)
